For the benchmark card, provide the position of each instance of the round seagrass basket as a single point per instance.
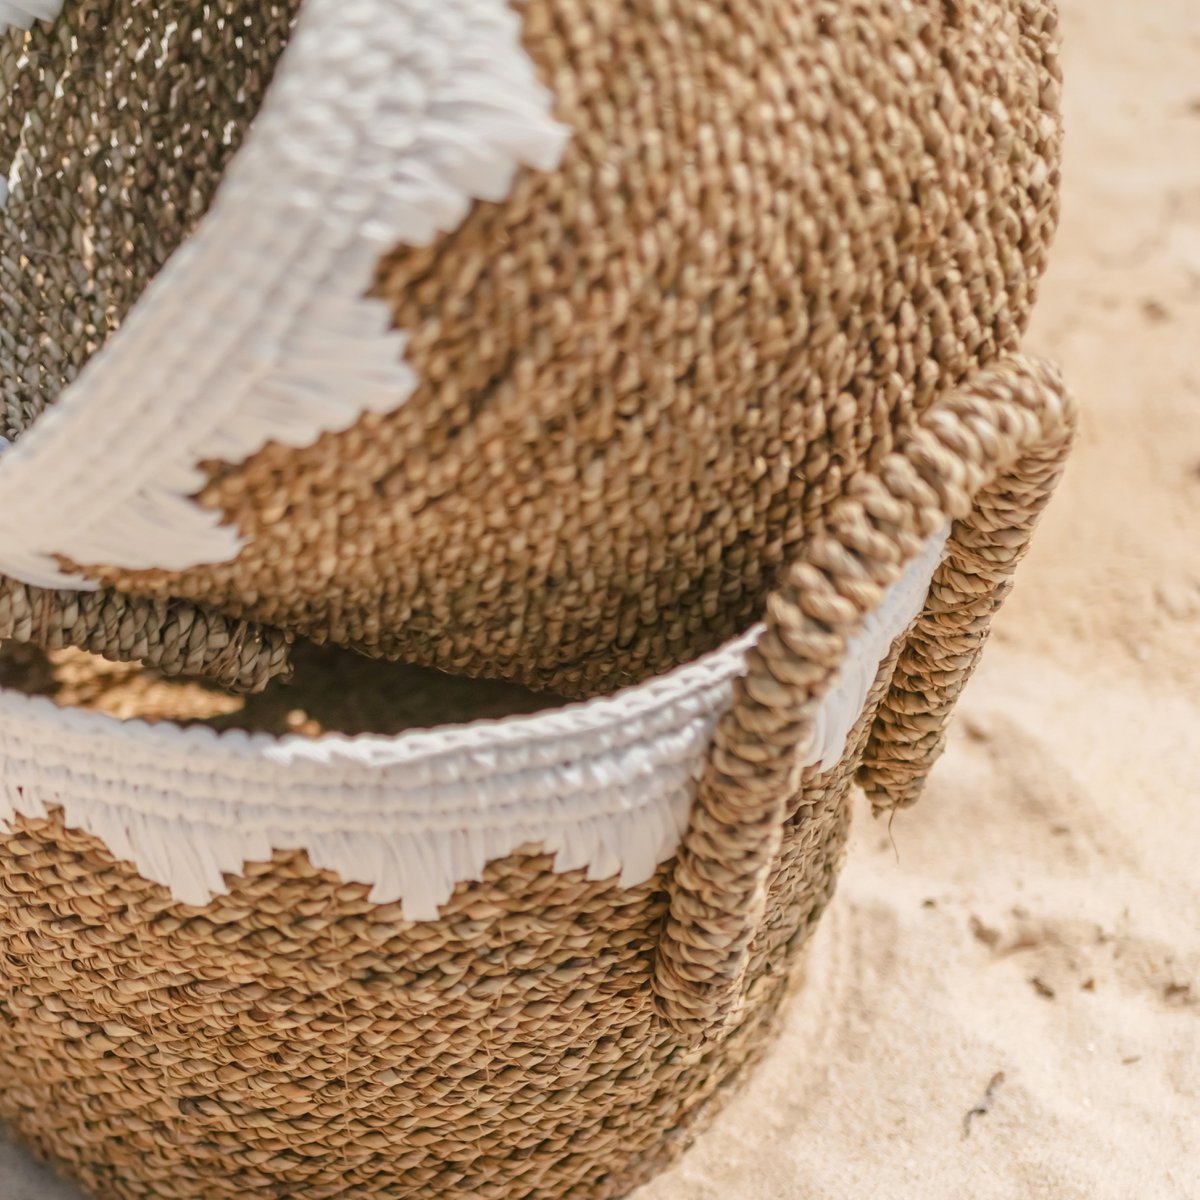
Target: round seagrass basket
(517, 339)
(507, 959)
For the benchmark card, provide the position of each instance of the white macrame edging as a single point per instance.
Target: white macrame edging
(23, 13)
(385, 121)
(605, 786)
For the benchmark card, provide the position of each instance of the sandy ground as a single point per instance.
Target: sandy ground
(1031, 944)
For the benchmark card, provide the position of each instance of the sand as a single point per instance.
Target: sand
(1033, 934)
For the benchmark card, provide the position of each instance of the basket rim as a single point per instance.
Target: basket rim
(598, 714)
(605, 785)
(615, 718)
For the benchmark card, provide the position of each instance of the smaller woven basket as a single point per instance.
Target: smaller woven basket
(523, 340)
(504, 960)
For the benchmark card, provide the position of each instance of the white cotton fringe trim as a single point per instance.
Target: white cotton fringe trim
(23, 13)
(384, 122)
(605, 786)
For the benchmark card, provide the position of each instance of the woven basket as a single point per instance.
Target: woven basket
(510, 959)
(527, 341)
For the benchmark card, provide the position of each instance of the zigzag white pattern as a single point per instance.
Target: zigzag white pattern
(385, 121)
(605, 786)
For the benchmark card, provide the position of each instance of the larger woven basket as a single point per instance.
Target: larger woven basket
(511, 959)
(527, 340)
(561, 341)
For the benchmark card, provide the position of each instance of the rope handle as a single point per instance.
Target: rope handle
(174, 637)
(986, 457)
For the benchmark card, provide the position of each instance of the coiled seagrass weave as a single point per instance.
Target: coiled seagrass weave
(525, 341)
(114, 135)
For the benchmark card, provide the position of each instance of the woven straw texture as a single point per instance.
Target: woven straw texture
(778, 231)
(547, 1034)
(114, 137)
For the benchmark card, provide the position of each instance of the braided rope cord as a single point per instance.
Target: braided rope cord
(986, 457)
(173, 637)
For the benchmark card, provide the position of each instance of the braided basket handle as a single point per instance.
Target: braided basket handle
(172, 636)
(987, 458)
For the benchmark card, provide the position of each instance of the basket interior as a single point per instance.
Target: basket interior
(119, 120)
(331, 691)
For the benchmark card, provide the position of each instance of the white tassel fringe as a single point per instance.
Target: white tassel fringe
(605, 786)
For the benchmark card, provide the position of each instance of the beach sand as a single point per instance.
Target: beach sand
(1026, 941)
